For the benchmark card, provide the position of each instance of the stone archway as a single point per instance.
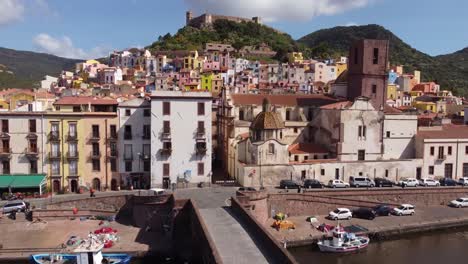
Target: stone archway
(96, 184)
(56, 186)
(114, 185)
(74, 186)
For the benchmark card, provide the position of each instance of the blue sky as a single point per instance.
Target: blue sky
(90, 28)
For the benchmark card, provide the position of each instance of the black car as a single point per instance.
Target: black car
(288, 184)
(382, 182)
(312, 184)
(364, 213)
(247, 189)
(448, 182)
(382, 210)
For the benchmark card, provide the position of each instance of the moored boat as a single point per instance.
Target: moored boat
(342, 242)
(88, 252)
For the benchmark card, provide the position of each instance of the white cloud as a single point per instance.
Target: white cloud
(10, 11)
(350, 24)
(273, 10)
(63, 47)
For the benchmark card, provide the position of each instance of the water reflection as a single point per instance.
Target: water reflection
(435, 248)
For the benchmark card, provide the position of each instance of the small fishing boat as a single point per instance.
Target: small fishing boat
(88, 252)
(342, 242)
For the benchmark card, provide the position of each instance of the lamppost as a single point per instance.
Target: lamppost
(260, 168)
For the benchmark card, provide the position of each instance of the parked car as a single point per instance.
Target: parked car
(364, 213)
(429, 182)
(312, 184)
(382, 210)
(463, 181)
(361, 182)
(460, 202)
(409, 182)
(382, 182)
(338, 184)
(247, 189)
(340, 214)
(157, 191)
(288, 184)
(448, 182)
(404, 209)
(17, 205)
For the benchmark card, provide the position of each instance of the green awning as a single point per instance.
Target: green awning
(22, 180)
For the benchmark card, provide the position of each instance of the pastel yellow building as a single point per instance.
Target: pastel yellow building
(392, 91)
(295, 57)
(82, 144)
(189, 61)
(340, 68)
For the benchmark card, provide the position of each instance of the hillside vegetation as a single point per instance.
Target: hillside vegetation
(28, 68)
(448, 70)
(227, 32)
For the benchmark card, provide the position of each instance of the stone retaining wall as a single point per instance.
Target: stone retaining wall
(320, 202)
(256, 229)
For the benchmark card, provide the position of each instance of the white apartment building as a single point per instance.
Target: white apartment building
(181, 135)
(134, 144)
(22, 147)
(444, 150)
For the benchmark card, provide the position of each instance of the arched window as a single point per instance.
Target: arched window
(271, 148)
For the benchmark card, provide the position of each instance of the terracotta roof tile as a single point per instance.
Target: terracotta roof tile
(306, 148)
(337, 105)
(282, 99)
(81, 100)
(267, 120)
(446, 132)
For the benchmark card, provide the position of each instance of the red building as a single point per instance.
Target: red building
(367, 70)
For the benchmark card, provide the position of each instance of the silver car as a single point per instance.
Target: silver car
(18, 206)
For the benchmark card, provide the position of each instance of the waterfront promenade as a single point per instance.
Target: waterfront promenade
(425, 219)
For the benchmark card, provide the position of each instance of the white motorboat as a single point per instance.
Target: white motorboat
(342, 242)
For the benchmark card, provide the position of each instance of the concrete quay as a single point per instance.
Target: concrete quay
(426, 219)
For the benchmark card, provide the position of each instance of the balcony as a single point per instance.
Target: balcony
(54, 136)
(128, 157)
(201, 148)
(145, 156)
(5, 153)
(4, 135)
(113, 137)
(441, 157)
(94, 137)
(73, 174)
(200, 134)
(146, 137)
(166, 135)
(95, 154)
(72, 137)
(31, 153)
(113, 153)
(55, 155)
(31, 135)
(127, 136)
(72, 155)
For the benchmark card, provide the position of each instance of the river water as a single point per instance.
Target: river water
(449, 247)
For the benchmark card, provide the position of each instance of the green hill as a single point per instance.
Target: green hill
(227, 32)
(28, 68)
(448, 70)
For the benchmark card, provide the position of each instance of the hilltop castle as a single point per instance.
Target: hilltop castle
(206, 20)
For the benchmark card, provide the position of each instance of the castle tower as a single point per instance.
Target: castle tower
(257, 20)
(367, 70)
(188, 17)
